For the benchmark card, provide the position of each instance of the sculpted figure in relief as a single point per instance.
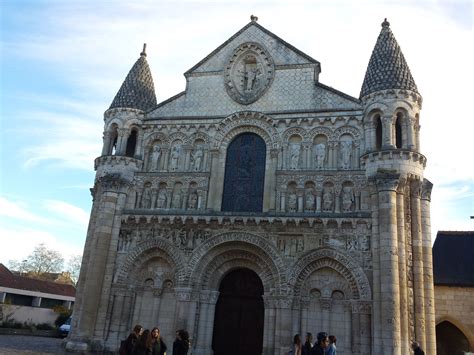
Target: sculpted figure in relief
(346, 154)
(176, 200)
(292, 202)
(175, 155)
(309, 203)
(320, 155)
(328, 199)
(347, 198)
(192, 201)
(156, 157)
(197, 159)
(294, 156)
(161, 200)
(146, 198)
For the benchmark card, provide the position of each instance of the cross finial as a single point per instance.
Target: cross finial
(143, 53)
(253, 18)
(385, 23)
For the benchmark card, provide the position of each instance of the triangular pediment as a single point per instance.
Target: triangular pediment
(281, 52)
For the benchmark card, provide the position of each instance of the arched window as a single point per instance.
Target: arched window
(398, 131)
(378, 132)
(244, 174)
(131, 143)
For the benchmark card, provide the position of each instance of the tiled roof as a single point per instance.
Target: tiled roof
(453, 256)
(10, 280)
(138, 90)
(387, 67)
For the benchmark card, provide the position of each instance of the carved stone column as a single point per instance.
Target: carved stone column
(169, 194)
(365, 310)
(389, 279)
(283, 329)
(418, 270)
(300, 194)
(121, 141)
(269, 325)
(306, 155)
(332, 155)
(369, 130)
(208, 300)
(337, 199)
(283, 201)
(213, 195)
(410, 133)
(326, 304)
(106, 143)
(139, 146)
(402, 269)
(187, 157)
(183, 300)
(165, 158)
(430, 346)
(269, 200)
(355, 327)
(387, 131)
(318, 200)
(155, 308)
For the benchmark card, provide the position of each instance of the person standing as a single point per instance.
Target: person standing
(143, 346)
(416, 348)
(181, 344)
(308, 344)
(126, 348)
(158, 346)
(331, 350)
(321, 344)
(296, 347)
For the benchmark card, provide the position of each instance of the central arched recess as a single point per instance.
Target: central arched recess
(239, 317)
(450, 340)
(244, 174)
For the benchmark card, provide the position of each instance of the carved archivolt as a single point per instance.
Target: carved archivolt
(321, 131)
(330, 258)
(242, 122)
(251, 243)
(298, 131)
(354, 132)
(151, 248)
(178, 136)
(155, 137)
(199, 136)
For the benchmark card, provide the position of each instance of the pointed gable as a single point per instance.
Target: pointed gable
(387, 67)
(138, 90)
(282, 52)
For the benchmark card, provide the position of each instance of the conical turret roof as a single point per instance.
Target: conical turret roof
(387, 67)
(138, 90)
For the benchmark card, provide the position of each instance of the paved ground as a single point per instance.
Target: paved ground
(28, 345)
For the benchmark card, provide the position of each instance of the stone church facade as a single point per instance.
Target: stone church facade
(260, 203)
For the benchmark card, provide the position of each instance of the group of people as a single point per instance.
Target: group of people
(145, 342)
(325, 345)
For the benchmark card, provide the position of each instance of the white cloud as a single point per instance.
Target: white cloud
(19, 211)
(69, 212)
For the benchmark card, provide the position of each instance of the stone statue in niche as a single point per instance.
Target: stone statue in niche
(174, 158)
(346, 154)
(176, 200)
(364, 243)
(328, 199)
(196, 159)
(156, 157)
(251, 71)
(347, 198)
(352, 243)
(146, 198)
(192, 201)
(161, 200)
(292, 202)
(125, 240)
(320, 155)
(294, 156)
(309, 201)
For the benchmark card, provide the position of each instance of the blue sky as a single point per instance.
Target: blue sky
(63, 61)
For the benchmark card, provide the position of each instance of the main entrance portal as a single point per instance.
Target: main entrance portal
(238, 322)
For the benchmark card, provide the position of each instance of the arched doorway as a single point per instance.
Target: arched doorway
(244, 174)
(450, 340)
(238, 321)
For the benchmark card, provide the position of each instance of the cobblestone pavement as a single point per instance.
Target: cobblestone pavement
(28, 345)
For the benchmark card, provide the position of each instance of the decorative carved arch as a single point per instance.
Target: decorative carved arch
(333, 286)
(257, 245)
(178, 136)
(330, 258)
(129, 124)
(294, 131)
(354, 132)
(247, 121)
(232, 256)
(458, 324)
(152, 248)
(154, 137)
(321, 130)
(115, 121)
(200, 135)
(374, 108)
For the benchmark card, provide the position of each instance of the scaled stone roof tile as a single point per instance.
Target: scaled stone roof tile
(138, 90)
(387, 67)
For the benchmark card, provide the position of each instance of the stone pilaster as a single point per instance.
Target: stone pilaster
(418, 278)
(389, 278)
(212, 199)
(430, 324)
(207, 300)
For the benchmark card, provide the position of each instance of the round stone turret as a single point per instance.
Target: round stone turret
(391, 111)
